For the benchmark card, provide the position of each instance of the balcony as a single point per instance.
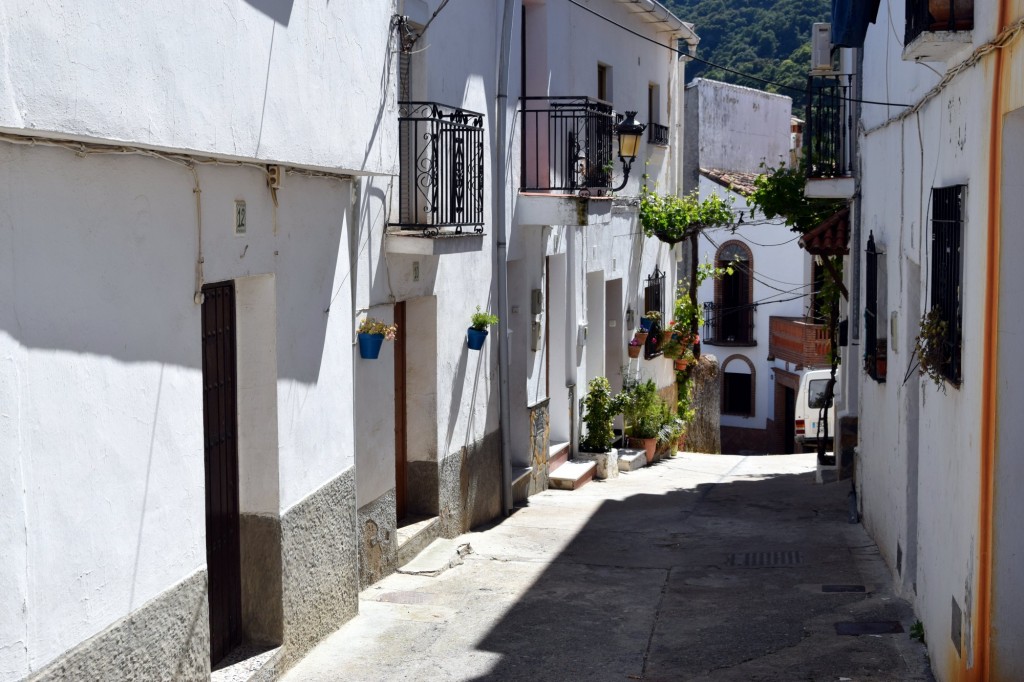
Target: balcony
(566, 144)
(441, 159)
(828, 138)
(937, 29)
(657, 134)
(799, 340)
(729, 326)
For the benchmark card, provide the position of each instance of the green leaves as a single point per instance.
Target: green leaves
(779, 192)
(672, 219)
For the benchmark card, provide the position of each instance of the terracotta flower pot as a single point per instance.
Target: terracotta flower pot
(634, 351)
(649, 445)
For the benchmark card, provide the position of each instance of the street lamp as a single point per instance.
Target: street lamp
(629, 133)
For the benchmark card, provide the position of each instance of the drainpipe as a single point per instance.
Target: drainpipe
(500, 264)
(571, 327)
(983, 654)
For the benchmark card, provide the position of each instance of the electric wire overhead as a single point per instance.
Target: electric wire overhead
(726, 68)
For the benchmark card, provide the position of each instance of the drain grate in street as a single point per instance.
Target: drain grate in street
(878, 627)
(765, 559)
(843, 588)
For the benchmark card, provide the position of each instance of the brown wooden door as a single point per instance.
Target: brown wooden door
(401, 427)
(220, 430)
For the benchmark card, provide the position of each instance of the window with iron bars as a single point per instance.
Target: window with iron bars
(875, 312)
(947, 271)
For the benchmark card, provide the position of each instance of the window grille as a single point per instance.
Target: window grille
(947, 270)
(875, 348)
(654, 292)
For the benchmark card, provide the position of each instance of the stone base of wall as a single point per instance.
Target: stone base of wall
(261, 578)
(167, 638)
(321, 574)
(378, 533)
(471, 486)
(540, 440)
(736, 440)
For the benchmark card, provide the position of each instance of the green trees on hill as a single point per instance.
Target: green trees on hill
(768, 39)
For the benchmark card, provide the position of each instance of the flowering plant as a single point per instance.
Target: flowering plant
(371, 325)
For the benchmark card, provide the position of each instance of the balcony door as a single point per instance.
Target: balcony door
(735, 295)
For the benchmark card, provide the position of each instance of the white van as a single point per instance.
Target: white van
(809, 401)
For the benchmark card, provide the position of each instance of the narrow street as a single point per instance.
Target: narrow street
(700, 567)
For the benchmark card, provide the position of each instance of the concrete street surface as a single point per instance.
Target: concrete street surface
(700, 567)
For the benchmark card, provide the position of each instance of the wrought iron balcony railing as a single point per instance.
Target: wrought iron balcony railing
(938, 15)
(729, 326)
(657, 134)
(827, 137)
(566, 144)
(441, 159)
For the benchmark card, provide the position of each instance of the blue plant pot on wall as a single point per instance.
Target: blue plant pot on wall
(369, 345)
(646, 323)
(475, 338)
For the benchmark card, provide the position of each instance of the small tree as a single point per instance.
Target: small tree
(599, 412)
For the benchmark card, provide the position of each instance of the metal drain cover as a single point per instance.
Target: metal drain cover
(765, 559)
(877, 627)
(843, 588)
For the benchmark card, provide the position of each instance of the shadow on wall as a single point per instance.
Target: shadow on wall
(97, 256)
(278, 10)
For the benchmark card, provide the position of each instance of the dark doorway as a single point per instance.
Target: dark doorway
(401, 425)
(789, 423)
(220, 431)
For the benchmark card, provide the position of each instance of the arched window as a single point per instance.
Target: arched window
(738, 384)
(732, 319)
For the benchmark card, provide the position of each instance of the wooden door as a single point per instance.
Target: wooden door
(401, 426)
(220, 430)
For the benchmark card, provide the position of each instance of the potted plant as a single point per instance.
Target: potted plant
(372, 333)
(933, 357)
(477, 332)
(650, 318)
(599, 410)
(636, 345)
(641, 410)
(672, 428)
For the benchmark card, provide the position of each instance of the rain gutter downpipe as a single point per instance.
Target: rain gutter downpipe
(500, 265)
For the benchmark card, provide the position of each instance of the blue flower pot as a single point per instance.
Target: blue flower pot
(369, 345)
(475, 338)
(646, 323)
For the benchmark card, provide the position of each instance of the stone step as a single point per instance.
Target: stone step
(414, 537)
(572, 475)
(438, 557)
(630, 459)
(521, 483)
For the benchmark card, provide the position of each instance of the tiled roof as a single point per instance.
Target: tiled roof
(831, 237)
(737, 181)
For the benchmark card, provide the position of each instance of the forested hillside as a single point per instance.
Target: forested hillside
(765, 38)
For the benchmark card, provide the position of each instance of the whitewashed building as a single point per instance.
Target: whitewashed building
(935, 189)
(580, 272)
(759, 319)
(183, 226)
(200, 205)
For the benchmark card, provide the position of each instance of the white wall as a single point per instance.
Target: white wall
(102, 396)
(241, 78)
(945, 143)
(740, 127)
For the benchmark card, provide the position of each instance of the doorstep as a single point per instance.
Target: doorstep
(414, 534)
(631, 460)
(572, 475)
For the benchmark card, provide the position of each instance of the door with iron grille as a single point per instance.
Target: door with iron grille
(220, 430)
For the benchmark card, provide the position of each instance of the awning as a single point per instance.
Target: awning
(850, 19)
(831, 237)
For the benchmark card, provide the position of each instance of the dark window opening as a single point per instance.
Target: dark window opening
(875, 313)
(737, 394)
(947, 271)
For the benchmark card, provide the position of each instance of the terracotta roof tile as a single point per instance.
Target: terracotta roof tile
(737, 181)
(831, 237)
